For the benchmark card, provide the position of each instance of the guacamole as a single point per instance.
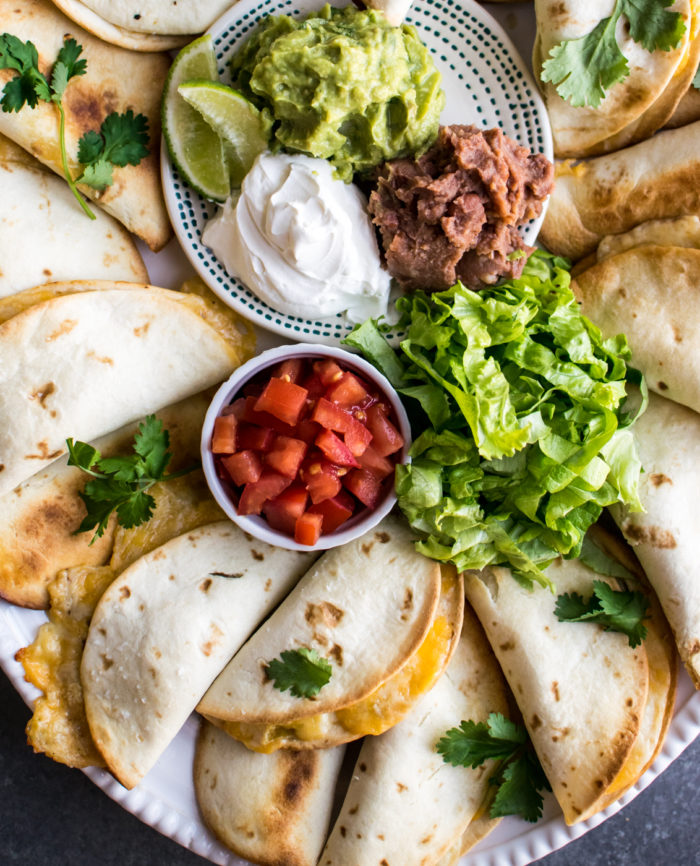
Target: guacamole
(342, 85)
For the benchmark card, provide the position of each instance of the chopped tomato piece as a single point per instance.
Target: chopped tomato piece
(308, 430)
(284, 400)
(308, 528)
(335, 511)
(264, 419)
(364, 485)
(254, 438)
(321, 479)
(290, 370)
(315, 387)
(332, 417)
(283, 511)
(348, 391)
(286, 455)
(243, 467)
(223, 440)
(375, 463)
(236, 408)
(255, 495)
(335, 449)
(386, 439)
(328, 371)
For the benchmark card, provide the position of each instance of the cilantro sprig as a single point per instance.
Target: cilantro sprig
(616, 610)
(121, 483)
(584, 69)
(122, 139)
(302, 671)
(519, 777)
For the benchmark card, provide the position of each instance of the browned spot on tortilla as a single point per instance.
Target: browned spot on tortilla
(320, 639)
(652, 535)
(42, 393)
(366, 548)
(157, 653)
(662, 386)
(46, 272)
(382, 537)
(142, 329)
(214, 783)
(353, 811)
(324, 613)
(599, 783)
(677, 336)
(380, 836)
(426, 839)
(623, 292)
(124, 593)
(536, 722)
(101, 359)
(400, 787)
(106, 662)
(158, 554)
(2, 467)
(153, 673)
(205, 584)
(555, 690)
(407, 603)
(299, 775)
(44, 453)
(215, 634)
(268, 584)
(363, 767)
(658, 478)
(257, 555)
(508, 645)
(383, 861)
(343, 832)
(65, 327)
(337, 654)
(557, 9)
(172, 577)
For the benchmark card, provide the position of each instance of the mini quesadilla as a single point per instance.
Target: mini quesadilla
(664, 536)
(163, 631)
(281, 814)
(135, 197)
(657, 179)
(82, 365)
(405, 805)
(591, 750)
(45, 237)
(651, 293)
(160, 16)
(383, 616)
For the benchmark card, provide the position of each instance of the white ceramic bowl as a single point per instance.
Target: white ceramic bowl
(257, 526)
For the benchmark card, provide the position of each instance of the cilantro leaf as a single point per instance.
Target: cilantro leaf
(520, 776)
(72, 65)
(583, 69)
(303, 672)
(90, 147)
(98, 175)
(30, 85)
(137, 509)
(81, 454)
(122, 140)
(151, 443)
(615, 610)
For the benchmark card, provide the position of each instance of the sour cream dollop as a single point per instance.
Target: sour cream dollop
(301, 240)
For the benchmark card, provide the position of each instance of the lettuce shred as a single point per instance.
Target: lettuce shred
(521, 429)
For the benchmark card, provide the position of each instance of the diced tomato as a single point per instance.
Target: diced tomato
(290, 370)
(328, 371)
(264, 419)
(284, 400)
(335, 449)
(335, 511)
(243, 467)
(307, 431)
(315, 387)
(223, 440)
(348, 391)
(286, 455)
(332, 417)
(283, 511)
(386, 439)
(255, 495)
(321, 479)
(375, 463)
(236, 408)
(254, 438)
(308, 528)
(364, 485)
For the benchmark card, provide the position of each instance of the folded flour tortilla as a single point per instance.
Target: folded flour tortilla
(379, 612)
(164, 630)
(405, 805)
(664, 536)
(82, 365)
(116, 80)
(687, 110)
(282, 812)
(591, 750)
(160, 16)
(45, 237)
(656, 179)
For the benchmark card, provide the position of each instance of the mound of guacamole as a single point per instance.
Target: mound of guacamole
(342, 85)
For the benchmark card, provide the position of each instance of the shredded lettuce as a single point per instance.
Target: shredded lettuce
(521, 432)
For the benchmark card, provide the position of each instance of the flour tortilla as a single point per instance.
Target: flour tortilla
(131, 39)
(578, 130)
(405, 805)
(656, 179)
(687, 110)
(680, 232)
(163, 631)
(651, 294)
(557, 671)
(366, 606)
(82, 365)
(160, 16)
(282, 812)
(45, 237)
(664, 536)
(135, 197)
(39, 518)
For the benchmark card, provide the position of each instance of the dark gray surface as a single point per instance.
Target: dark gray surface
(53, 816)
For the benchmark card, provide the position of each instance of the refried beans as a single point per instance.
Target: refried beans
(453, 214)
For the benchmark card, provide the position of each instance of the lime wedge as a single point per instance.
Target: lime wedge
(243, 129)
(195, 149)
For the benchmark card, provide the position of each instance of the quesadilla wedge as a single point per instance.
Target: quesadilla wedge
(405, 805)
(656, 179)
(281, 814)
(135, 197)
(651, 293)
(591, 750)
(84, 364)
(163, 631)
(687, 110)
(43, 236)
(383, 616)
(160, 16)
